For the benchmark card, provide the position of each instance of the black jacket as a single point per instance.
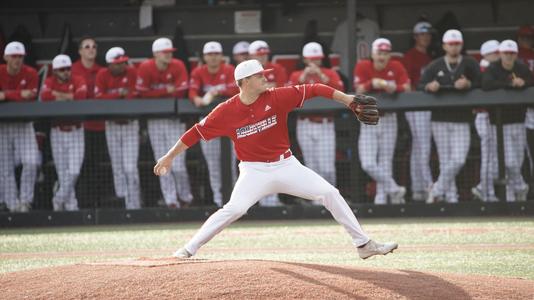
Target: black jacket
(446, 76)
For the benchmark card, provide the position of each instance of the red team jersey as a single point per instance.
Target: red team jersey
(364, 72)
(152, 83)
(527, 56)
(259, 130)
(414, 61)
(107, 86)
(223, 81)
(26, 79)
(277, 75)
(334, 81)
(89, 75)
(75, 86)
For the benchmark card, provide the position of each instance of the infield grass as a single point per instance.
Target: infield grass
(490, 246)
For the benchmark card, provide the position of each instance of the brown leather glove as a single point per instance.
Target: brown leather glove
(365, 109)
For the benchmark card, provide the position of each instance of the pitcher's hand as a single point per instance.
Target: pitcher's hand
(163, 165)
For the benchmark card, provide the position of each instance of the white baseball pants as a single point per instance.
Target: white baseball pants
(288, 176)
(421, 176)
(68, 151)
(452, 143)
(376, 146)
(17, 140)
(488, 152)
(212, 154)
(123, 148)
(163, 135)
(318, 144)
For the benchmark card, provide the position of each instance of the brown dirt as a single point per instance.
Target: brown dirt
(167, 278)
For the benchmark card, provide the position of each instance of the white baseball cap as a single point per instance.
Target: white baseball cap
(212, 47)
(312, 50)
(116, 55)
(381, 44)
(508, 46)
(240, 47)
(15, 48)
(61, 61)
(258, 48)
(162, 44)
(248, 68)
(453, 36)
(488, 47)
(422, 27)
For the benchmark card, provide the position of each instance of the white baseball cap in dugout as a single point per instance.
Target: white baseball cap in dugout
(61, 61)
(248, 68)
(381, 44)
(258, 48)
(162, 44)
(116, 55)
(241, 47)
(489, 47)
(312, 50)
(212, 47)
(508, 46)
(15, 48)
(452, 36)
(422, 27)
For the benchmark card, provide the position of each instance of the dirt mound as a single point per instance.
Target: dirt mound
(167, 278)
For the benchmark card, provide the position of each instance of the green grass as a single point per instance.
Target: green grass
(497, 246)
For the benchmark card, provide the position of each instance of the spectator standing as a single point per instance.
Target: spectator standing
(485, 190)
(450, 127)
(316, 134)
(510, 73)
(117, 81)
(210, 82)
(18, 83)
(414, 61)
(66, 137)
(166, 77)
(376, 144)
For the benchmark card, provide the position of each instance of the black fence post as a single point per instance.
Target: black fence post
(501, 181)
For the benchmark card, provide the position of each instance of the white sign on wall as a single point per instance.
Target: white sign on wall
(247, 21)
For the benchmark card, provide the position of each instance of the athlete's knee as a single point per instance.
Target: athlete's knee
(368, 165)
(234, 211)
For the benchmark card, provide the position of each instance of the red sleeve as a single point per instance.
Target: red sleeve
(291, 97)
(101, 86)
(294, 78)
(182, 80)
(46, 90)
(334, 79)
(281, 75)
(195, 83)
(212, 126)
(402, 77)
(13, 95)
(132, 75)
(144, 83)
(362, 76)
(32, 78)
(80, 88)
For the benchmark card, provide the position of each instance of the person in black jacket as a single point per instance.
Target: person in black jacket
(510, 73)
(450, 127)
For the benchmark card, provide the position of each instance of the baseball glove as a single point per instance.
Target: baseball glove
(365, 109)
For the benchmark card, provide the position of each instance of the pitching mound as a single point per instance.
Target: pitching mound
(207, 279)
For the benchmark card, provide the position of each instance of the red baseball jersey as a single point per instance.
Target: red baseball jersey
(364, 72)
(277, 75)
(107, 86)
(89, 76)
(414, 61)
(26, 79)
(76, 86)
(334, 79)
(152, 83)
(203, 81)
(527, 56)
(258, 130)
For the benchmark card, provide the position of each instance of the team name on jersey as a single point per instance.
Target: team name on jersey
(256, 127)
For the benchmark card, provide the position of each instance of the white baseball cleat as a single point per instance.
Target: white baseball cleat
(182, 253)
(373, 248)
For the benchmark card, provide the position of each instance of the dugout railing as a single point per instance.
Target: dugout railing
(354, 183)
